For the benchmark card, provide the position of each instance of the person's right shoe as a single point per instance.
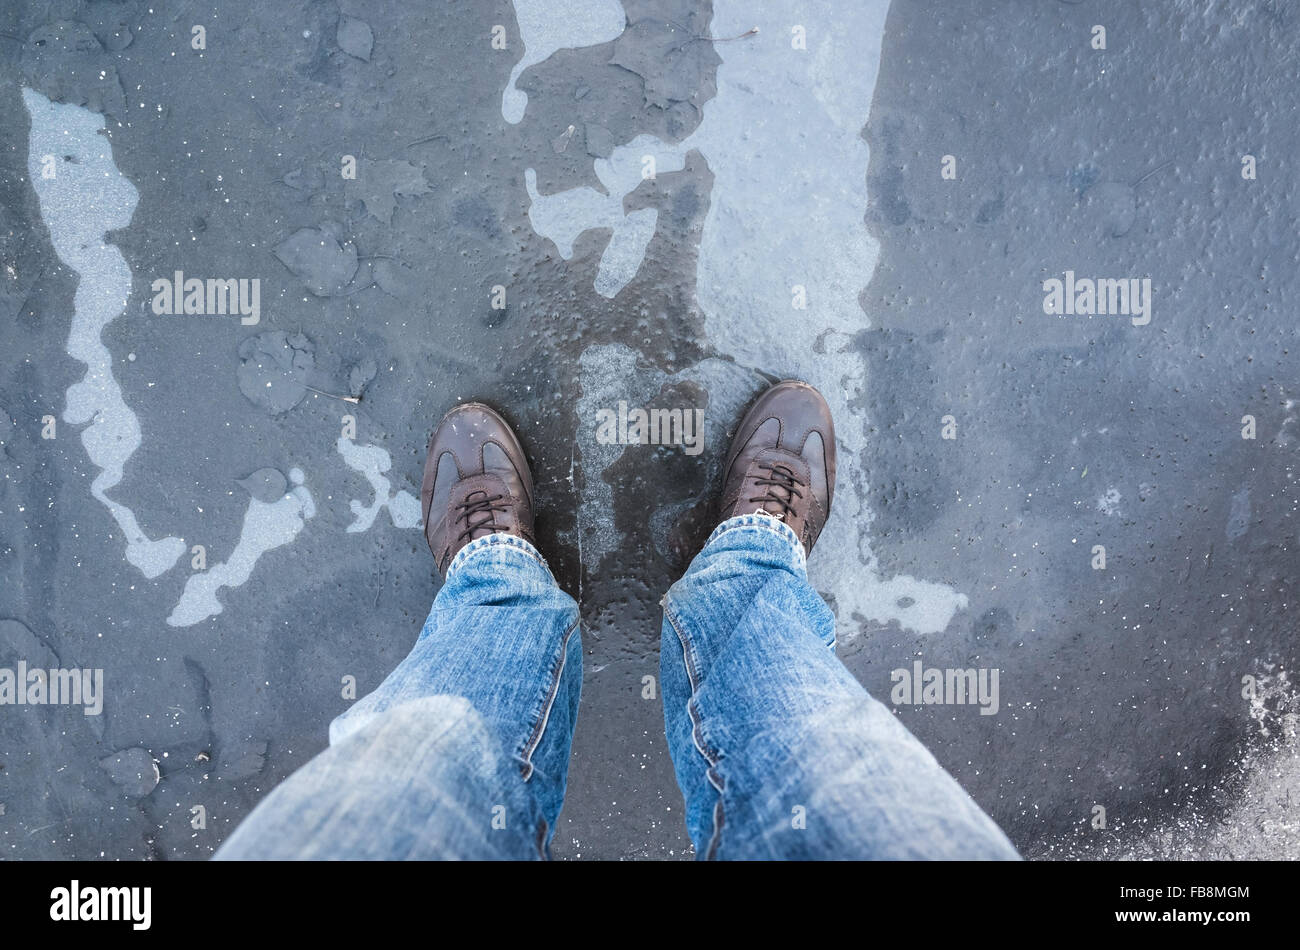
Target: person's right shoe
(782, 461)
(476, 482)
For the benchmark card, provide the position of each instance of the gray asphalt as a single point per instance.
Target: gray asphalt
(502, 242)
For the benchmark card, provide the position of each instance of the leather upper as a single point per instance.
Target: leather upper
(782, 460)
(476, 482)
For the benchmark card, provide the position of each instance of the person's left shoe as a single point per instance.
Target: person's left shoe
(476, 483)
(782, 461)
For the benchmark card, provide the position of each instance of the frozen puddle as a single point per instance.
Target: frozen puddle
(565, 215)
(610, 373)
(372, 461)
(85, 199)
(787, 211)
(272, 523)
(546, 26)
(267, 525)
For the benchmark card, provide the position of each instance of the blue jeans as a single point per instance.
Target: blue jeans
(462, 751)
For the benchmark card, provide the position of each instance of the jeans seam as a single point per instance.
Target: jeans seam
(719, 819)
(548, 702)
(688, 661)
(710, 756)
(542, 828)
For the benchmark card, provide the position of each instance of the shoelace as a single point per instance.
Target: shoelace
(479, 503)
(780, 476)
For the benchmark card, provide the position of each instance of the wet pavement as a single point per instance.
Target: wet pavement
(573, 208)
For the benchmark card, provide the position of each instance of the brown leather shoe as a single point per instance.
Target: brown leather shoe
(476, 482)
(782, 460)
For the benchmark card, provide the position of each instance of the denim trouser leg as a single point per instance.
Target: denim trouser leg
(463, 750)
(780, 753)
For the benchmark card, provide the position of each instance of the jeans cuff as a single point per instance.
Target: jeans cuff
(798, 556)
(498, 541)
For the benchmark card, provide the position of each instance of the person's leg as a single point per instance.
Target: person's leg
(463, 750)
(779, 751)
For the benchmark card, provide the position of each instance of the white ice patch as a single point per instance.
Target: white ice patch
(609, 373)
(783, 140)
(1108, 504)
(566, 214)
(546, 26)
(267, 525)
(372, 461)
(1251, 814)
(87, 198)
(1275, 703)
